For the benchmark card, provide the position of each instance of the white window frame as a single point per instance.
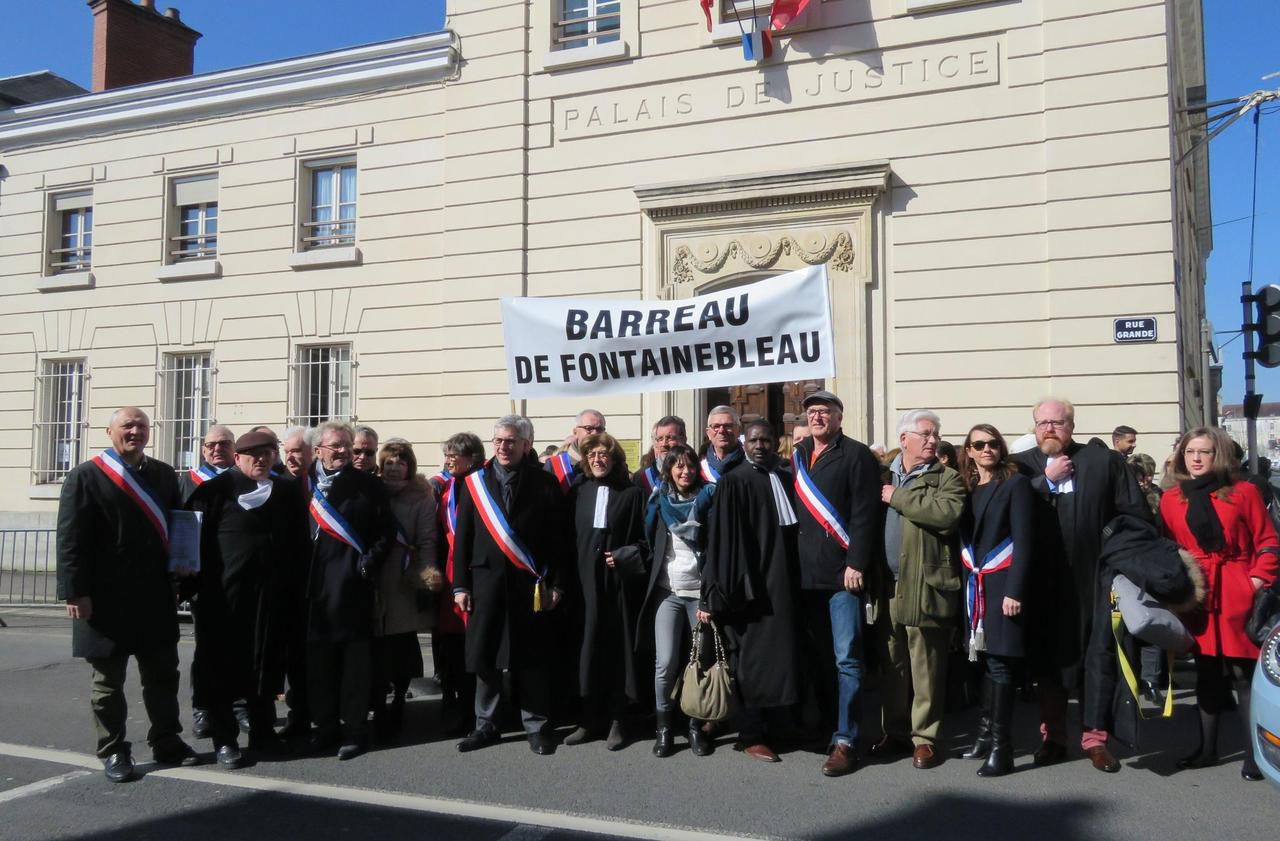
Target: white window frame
(308, 364)
(185, 410)
(191, 256)
(68, 266)
(595, 18)
(61, 418)
(316, 233)
(547, 26)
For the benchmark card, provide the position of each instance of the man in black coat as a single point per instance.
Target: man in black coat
(1078, 490)
(254, 542)
(113, 573)
(512, 534)
(749, 586)
(724, 450)
(841, 532)
(352, 530)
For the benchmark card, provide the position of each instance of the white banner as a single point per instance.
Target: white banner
(773, 330)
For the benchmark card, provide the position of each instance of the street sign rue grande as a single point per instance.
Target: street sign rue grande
(1132, 329)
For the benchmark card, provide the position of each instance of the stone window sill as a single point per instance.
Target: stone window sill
(591, 54)
(44, 491)
(324, 258)
(65, 280)
(190, 270)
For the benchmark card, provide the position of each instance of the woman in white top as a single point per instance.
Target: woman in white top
(673, 528)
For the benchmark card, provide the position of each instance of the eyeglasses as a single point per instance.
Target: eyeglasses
(928, 436)
(979, 446)
(818, 412)
(365, 451)
(599, 455)
(721, 427)
(506, 443)
(667, 439)
(337, 448)
(590, 430)
(209, 445)
(1052, 424)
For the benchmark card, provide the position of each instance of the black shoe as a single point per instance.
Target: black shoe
(200, 728)
(1000, 731)
(242, 719)
(664, 743)
(581, 734)
(542, 744)
(982, 741)
(322, 743)
(699, 742)
(352, 750)
(178, 753)
(617, 738)
(477, 739)
(1249, 771)
(230, 757)
(1199, 759)
(118, 767)
(1049, 753)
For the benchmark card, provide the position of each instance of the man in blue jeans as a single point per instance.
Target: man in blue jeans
(837, 488)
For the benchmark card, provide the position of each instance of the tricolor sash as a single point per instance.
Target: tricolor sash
(651, 479)
(997, 559)
(816, 504)
(449, 496)
(562, 467)
(203, 473)
(332, 523)
(110, 463)
(403, 541)
(709, 473)
(497, 526)
(440, 480)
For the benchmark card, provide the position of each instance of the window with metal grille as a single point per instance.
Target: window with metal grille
(186, 402)
(323, 385)
(582, 23)
(73, 244)
(194, 235)
(333, 206)
(60, 419)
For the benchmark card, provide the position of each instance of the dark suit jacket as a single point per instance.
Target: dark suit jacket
(848, 475)
(991, 516)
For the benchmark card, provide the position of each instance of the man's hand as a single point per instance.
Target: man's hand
(463, 601)
(608, 560)
(81, 608)
(1060, 470)
(853, 579)
(1011, 607)
(1257, 582)
(886, 494)
(556, 595)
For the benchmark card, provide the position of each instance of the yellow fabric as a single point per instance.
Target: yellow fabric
(1126, 668)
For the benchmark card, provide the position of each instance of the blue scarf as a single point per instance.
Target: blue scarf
(683, 517)
(721, 465)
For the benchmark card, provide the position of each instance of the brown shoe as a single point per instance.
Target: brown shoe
(1102, 759)
(760, 751)
(841, 760)
(890, 746)
(924, 756)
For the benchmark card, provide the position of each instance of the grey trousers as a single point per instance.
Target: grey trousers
(534, 691)
(674, 615)
(158, 670)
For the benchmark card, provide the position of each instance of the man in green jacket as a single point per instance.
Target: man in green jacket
(922, 587)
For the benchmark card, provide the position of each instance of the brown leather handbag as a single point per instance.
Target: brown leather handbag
(706, 693)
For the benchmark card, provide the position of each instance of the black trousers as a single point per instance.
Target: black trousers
(158, 669)
(338, 676)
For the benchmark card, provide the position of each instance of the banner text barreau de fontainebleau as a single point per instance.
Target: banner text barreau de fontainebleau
(768, 331)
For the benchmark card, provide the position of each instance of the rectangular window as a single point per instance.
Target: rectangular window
(186, 396)
(195, 230)
(322, 385)
(60, 419)
(332, 221)
(583, 23)
(72, 241)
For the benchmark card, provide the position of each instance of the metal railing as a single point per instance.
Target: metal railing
(28, 567)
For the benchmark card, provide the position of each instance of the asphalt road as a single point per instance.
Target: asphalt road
(51, 788)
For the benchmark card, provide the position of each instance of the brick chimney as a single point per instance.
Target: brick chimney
(135, 44)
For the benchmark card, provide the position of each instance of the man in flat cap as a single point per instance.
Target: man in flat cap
(837, 484)
(253, 552)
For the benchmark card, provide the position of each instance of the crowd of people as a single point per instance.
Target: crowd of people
(573, 586)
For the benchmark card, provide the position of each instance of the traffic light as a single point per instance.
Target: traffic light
(1267, 325)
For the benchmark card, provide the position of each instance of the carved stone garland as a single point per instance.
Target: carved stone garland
(762, 254)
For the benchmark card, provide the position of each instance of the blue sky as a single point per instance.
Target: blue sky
(1240, 48)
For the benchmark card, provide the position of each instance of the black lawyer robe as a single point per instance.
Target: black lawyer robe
(610, 598)
(340, 598)
(252, 563)
(993, 513)
(749, 584)
(503, 631)
(109, 550)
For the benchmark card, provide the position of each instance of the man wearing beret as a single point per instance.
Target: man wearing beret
(253, 551)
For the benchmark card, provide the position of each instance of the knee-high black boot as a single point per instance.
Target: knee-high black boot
(982, 740)
(1206, 753)
(1000, 759)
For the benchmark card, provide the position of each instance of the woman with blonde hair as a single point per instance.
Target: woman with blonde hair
(1221, 520)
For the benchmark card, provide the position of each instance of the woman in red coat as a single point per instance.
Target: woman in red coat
(1224, 523)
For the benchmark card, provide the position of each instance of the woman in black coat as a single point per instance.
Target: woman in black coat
(608, 514)
(996, 530)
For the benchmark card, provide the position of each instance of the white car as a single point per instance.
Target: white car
(1264, 726)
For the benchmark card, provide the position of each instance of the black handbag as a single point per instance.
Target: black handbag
(1264, 614)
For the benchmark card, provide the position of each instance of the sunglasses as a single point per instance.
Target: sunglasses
(362, 452)
(979, 446)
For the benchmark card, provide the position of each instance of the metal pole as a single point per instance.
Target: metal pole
(1251, 401)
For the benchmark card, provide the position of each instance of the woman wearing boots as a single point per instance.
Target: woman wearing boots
(1223, 522)
(673, 529)
(997, 555)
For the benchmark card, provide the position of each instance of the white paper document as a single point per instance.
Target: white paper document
(184, 541)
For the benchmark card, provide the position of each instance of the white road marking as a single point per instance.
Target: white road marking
(40, 786)
(528, 819)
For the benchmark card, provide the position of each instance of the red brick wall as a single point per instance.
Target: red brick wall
(133, 44)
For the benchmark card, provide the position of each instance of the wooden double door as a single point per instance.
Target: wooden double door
(778, 403)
